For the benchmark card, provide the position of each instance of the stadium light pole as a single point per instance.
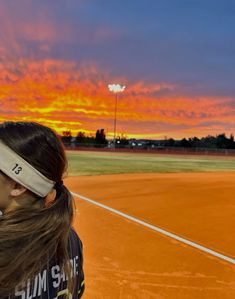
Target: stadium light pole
(116, 89)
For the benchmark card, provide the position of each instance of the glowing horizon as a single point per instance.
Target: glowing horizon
(60, 96)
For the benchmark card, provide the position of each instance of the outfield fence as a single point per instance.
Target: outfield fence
(162, 150)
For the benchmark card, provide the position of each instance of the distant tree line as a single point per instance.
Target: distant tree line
(219, 142)
(99, 140)
(81, 139)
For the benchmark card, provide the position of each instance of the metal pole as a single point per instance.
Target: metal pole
(116, 88)
(115, 122)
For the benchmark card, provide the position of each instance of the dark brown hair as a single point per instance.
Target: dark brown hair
(35, 232)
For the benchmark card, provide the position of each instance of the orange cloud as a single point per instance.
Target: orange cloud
(34, 34)
(68, 96)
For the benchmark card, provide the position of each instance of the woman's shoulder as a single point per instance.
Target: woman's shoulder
(51, 281)
(75, 244)
(73, 234)
(75, 250)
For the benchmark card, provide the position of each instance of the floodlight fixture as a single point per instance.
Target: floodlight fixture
(115, 88)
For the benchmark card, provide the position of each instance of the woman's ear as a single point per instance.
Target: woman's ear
(17, 190)
(50, 198)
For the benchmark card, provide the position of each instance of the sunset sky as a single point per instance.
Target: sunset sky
(176, 58)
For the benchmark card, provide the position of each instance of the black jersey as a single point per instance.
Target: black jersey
(51, 282)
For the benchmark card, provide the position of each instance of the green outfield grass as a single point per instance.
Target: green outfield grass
(96, 163)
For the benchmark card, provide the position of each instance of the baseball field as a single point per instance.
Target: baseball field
(155, 226)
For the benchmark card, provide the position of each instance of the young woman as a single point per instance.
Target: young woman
(40, 253)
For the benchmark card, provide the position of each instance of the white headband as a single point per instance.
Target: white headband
(22, 172)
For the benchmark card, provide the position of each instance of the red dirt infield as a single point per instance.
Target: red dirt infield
(123, 259)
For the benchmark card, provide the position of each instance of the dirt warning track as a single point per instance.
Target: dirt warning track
(123, 259)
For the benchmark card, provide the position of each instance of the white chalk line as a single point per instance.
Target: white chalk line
(160, 230)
